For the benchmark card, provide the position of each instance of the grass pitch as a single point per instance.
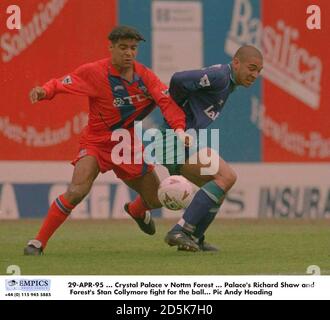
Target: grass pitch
(118, 247)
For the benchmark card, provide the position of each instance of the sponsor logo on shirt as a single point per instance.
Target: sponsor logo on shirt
(119, 102)
(211, 113)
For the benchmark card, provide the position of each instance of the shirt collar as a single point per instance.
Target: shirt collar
(233, 83)
(232, 76)
(113, 71)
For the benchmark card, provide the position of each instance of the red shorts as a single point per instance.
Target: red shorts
(104, 150)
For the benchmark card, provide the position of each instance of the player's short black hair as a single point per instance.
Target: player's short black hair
(247, 51)
(124, 32)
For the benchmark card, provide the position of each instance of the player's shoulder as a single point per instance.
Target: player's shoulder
(97, 66)
(142, 69)
(220, 70)
(220, 73)
(145, 74)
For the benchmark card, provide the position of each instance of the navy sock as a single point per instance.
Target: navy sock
(217, 194)
(204, 224)
(202, 210)
(199, 205)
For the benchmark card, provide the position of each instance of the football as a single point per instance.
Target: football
(175, 192)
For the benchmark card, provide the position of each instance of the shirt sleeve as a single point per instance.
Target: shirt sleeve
(184, 83)
(78, 82)
(172, 113)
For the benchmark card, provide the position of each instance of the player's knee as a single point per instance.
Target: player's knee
(75, 194)
(227, 178)
(230, 178)
(153, 202)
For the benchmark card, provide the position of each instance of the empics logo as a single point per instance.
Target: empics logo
(12, 283)
(288, 66)
(28, 284)
(129, 100)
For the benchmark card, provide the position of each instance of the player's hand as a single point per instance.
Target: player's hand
(36, 94)
(186, 138)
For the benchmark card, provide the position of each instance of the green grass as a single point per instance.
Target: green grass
(118, 247)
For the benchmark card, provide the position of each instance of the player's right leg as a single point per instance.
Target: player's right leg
(146, 186)
(85, 172)
(215, 180)
(142, 178)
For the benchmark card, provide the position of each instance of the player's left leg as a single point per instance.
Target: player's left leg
(215, 180)
(85, 172)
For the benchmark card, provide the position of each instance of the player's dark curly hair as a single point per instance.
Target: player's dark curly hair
(124, 32)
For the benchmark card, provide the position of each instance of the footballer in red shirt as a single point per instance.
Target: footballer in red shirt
(120, 91)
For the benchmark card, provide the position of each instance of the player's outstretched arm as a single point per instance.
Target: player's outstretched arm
(37, 94)
(172, 113)
(80, 82)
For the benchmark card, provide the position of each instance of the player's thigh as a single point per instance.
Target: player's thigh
(147, 186)
(191, 172)
(206, 166)
(85, 172)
